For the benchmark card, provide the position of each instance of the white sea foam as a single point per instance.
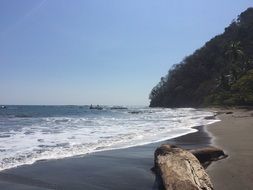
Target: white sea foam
(33, 139)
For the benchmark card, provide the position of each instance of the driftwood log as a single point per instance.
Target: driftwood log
(208, 154)
(179, 169)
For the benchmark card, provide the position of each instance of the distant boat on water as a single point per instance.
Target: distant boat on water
(96, 107)
(118, 108)
(3, 107)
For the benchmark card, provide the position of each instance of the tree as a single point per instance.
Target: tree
(209, 75)
(235, 55)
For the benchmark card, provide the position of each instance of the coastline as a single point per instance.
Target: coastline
(233, 134)
(127, 168)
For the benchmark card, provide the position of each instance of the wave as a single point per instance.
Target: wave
(59, 137)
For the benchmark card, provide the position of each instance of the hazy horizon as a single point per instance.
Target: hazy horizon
(100, 52)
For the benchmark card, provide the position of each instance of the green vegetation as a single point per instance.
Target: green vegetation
(220, 73)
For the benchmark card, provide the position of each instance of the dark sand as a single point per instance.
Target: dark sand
(111, 170)
(234, 134)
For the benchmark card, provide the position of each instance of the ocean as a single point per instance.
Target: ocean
(32, 133)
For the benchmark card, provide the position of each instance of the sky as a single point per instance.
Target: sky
(109, 52)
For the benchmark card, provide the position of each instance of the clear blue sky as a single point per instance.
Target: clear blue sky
(100, 51)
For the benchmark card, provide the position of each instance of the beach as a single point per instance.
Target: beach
(129, 168)
(115, 169)
(234, 135)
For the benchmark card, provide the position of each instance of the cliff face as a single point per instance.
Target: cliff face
(219, 73)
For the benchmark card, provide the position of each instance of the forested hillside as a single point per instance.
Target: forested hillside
(219, 73)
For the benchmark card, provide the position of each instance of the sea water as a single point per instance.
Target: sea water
(32, 133)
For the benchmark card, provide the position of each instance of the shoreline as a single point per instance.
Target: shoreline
(113, 169)
(233, 134)
(128, 168)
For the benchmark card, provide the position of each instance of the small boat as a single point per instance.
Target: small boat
(135, 112)
(96, 107)
(118, 108)
(3, 107)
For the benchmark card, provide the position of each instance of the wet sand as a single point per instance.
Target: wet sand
(234, 134)
(122, 169)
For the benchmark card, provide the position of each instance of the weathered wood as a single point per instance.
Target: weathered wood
(207, 155)
(180, 170)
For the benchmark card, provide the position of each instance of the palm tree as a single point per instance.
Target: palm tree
(235, 55)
